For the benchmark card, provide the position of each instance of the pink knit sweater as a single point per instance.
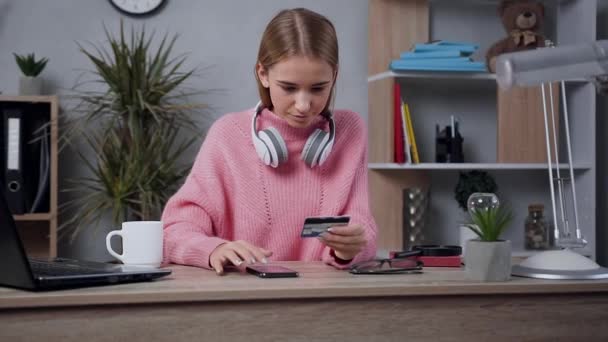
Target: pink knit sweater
(231, 195)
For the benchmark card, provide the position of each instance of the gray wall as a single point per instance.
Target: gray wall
(220, 36)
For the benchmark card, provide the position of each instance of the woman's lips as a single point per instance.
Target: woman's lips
(299, 117)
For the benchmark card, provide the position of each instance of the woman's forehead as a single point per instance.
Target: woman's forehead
(299, 69)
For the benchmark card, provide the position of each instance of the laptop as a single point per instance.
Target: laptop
(19, 271)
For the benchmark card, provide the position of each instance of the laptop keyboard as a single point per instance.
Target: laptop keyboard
(42, 268)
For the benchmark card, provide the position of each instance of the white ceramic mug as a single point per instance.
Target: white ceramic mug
(142, 243)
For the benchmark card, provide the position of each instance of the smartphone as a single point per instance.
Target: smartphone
(313, 226)
(271, 271)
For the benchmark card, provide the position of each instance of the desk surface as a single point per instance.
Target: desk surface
(190, 284)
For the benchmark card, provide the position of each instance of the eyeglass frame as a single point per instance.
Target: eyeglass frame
(378, 270)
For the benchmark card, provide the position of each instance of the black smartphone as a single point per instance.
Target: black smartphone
(271, 271)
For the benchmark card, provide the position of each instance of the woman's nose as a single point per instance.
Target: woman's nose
(303, 103)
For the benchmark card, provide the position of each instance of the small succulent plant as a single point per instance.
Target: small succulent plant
(29, 65)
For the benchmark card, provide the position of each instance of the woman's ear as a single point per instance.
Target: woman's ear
(262, 74)
(336, 73)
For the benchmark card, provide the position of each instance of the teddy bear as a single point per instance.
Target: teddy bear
(523, 21)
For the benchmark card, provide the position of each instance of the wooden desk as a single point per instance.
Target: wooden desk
(323, 304)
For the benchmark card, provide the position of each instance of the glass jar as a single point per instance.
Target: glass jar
(537, 229)
(482, 200)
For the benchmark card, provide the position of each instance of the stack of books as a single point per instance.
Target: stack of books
(405, 147)
(439, 56)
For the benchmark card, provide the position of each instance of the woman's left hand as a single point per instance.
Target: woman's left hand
(346, 241)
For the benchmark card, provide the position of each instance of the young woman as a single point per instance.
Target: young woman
(261, 172)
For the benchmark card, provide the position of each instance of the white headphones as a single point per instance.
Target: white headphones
(272, 150)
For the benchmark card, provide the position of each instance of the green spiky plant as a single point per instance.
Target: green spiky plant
(490, 223)
(29, 65)
(135, 128)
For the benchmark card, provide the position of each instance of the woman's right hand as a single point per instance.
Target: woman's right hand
(237, 253)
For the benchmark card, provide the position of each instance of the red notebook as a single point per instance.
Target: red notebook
(437, 261)
(399, 154)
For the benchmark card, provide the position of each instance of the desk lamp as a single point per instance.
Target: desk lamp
(587, 61)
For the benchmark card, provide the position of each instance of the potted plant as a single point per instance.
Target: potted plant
(488, 258)
(30, 83)
(469, 183)
(133, 119)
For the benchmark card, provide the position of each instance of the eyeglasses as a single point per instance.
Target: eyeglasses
(387, 266)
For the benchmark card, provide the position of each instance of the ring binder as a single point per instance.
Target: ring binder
(14, 185)
(25, 152)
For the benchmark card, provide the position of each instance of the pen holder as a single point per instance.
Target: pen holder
(448, 146)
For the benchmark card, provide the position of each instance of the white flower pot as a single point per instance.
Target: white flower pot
(30, 85)
(465, 235)
(488, 261)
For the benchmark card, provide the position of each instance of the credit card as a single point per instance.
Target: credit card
(313, 226)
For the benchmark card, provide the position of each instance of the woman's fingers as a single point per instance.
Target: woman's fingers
(344, 247)
(343, 239)
(233, 257)
(238, 253)
(346, 240)
(352, 230)
(250, 253)
(217, 265)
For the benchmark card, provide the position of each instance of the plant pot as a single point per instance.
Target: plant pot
(488, 261)
(465, 235)
(30, 85)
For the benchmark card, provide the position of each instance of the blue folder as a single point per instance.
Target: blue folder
(401, 65)
(455, 60)
(466, 50)
(431, 54)
(443, 45)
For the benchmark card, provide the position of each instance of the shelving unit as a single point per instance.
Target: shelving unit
(433, 96)
(38, 231)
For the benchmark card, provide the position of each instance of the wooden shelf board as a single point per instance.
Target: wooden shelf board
(28, 98)
(439, 75)
(33, 217)
(446, 75)
(468, 166)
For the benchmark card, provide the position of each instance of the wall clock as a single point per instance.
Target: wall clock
(138, 7)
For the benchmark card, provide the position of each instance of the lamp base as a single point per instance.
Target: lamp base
(559, 264)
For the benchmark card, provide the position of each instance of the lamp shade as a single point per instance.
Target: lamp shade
(563, 63)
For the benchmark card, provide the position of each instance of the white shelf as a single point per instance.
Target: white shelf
(467, 166)
(440, 75)
(447, 75)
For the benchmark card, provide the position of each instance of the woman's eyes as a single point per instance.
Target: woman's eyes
(314, 90)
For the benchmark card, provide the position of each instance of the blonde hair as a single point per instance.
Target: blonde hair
(297, 32)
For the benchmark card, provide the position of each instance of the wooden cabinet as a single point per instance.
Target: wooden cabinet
(38, 230)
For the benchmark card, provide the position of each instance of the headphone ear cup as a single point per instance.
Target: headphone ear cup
(313, 147)
(326, 151)
(261, 148)
(275, 144)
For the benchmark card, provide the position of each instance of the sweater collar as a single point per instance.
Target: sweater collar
(268, 118)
